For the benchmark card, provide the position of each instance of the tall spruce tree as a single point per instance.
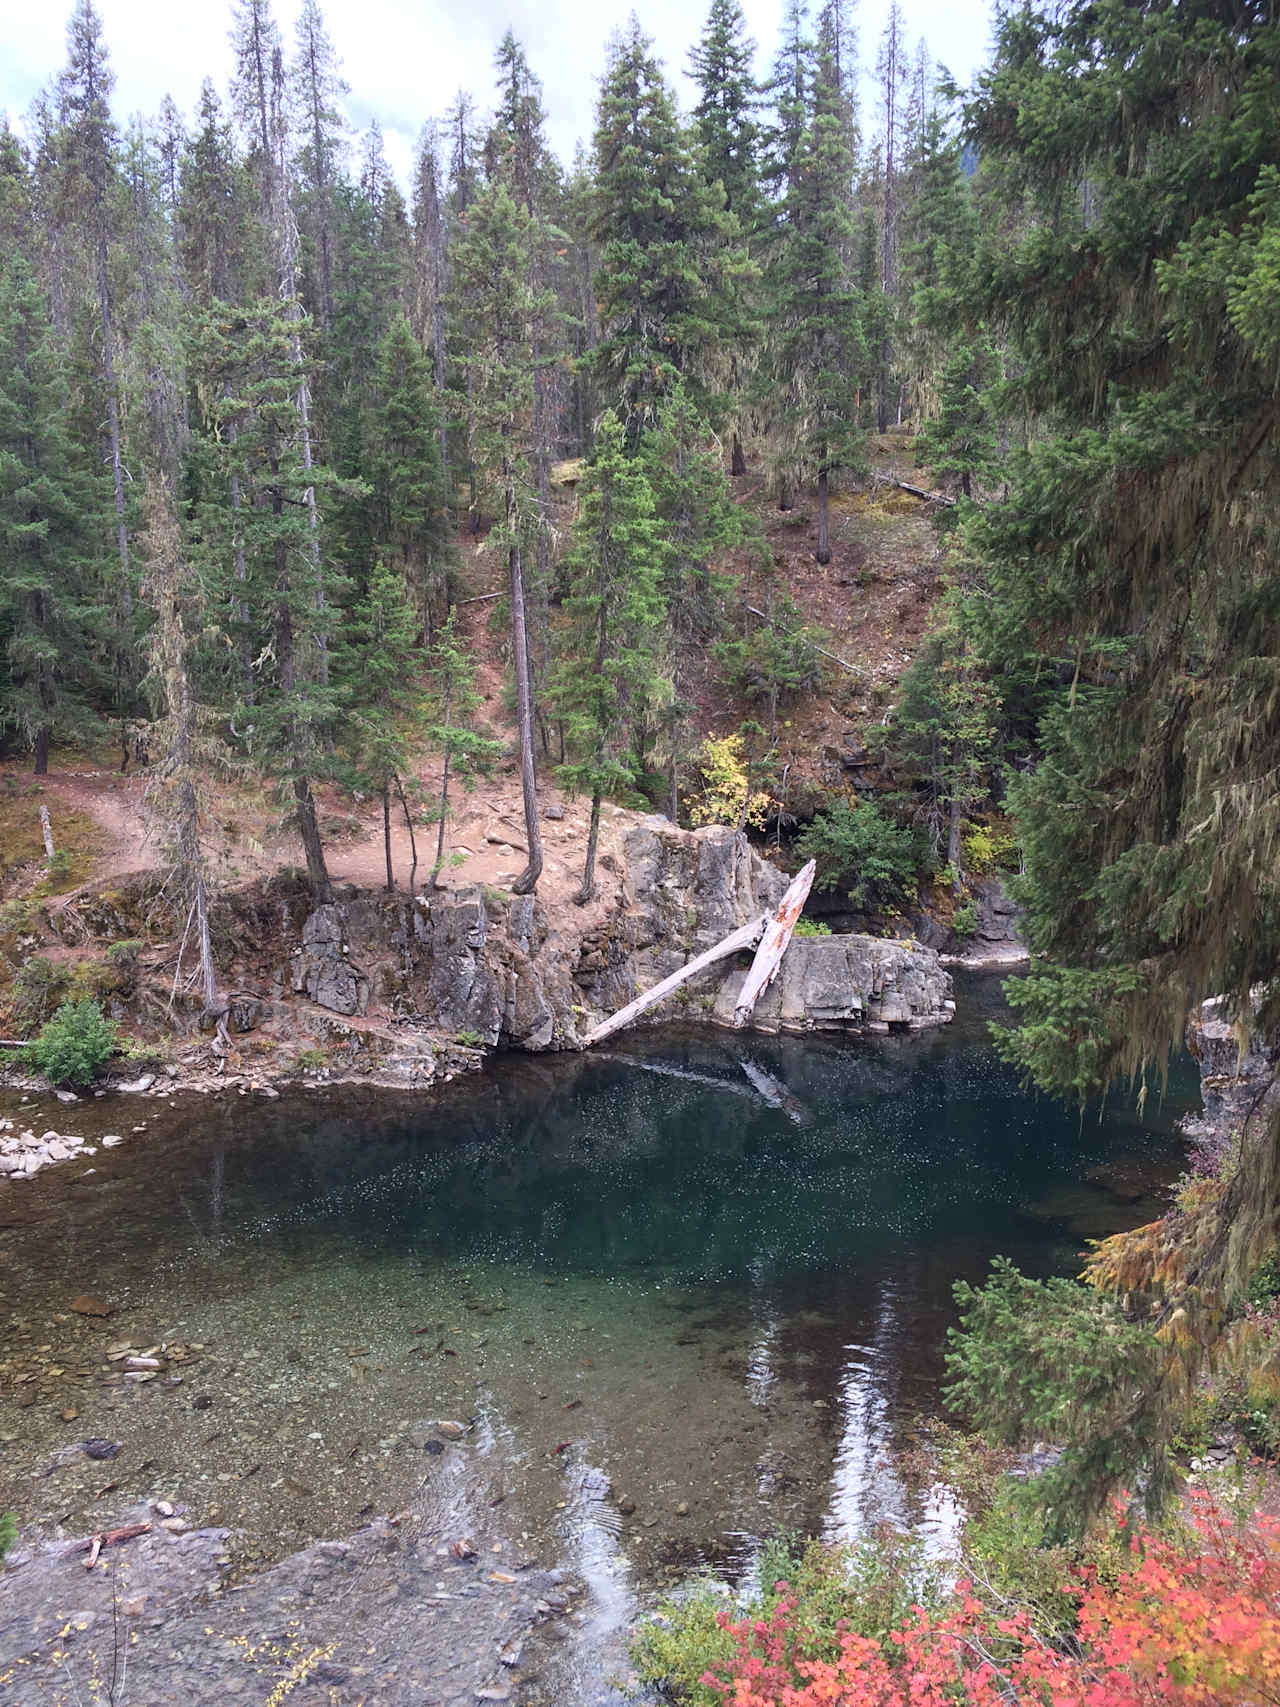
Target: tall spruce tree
(48, 520)
(410, 522)
(263, 563)
(819, 353)
(608, 677)
(491, 280)
(670, 256)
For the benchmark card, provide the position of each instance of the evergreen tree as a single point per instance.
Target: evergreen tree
(698, 520)
(491, 279)
(613, 609)
(961, 441)
(1136, 554)
(47, 524)
(728, 133)
(316, 87)
(430, 270)
(893, 71)
(272, 581)
(87, 170)
(382, 688)
(819, 347)
(402, 463)
(670, 257)
(217, 239)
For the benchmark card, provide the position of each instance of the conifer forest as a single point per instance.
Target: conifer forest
(413, 581)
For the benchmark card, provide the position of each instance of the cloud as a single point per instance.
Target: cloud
(406, 61)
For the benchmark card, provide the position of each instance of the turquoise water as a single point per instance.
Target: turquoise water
(700, 1272)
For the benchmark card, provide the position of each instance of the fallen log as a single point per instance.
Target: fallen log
(746, 936)
(916, 491)
(773, 944)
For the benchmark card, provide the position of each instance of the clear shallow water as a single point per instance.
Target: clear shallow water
(644, 1280)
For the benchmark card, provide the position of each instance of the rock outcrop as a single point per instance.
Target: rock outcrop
(496, 970)
(996, 939)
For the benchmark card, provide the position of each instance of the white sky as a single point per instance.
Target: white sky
(406, 59)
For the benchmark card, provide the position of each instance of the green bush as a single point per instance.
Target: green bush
(811, 927)
(8, 1532)
(988, 848)
(964, 921)
(860, 850)
(73, 1044)
(38, 989)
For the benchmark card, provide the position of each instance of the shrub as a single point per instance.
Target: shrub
(860, 850)
(8, 1532)
(988, 848)
(1191, 1624)
(73, 1044)
(726, 781)
(812, 927)
(964, 921)
(38, 989)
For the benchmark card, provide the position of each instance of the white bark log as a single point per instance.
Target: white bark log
(773, 945)
(746, 936)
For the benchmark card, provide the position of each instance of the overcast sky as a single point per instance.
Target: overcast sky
(406, 59)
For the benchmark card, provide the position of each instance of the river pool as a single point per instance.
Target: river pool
(678, 1296)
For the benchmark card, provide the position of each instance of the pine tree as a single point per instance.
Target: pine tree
(402, 464)
(608, 676)
(273, 583)
(893, 71)
(670, 256)
(88, 168)
(47, 523)
(316, 87)
(698, 521)
(430, 270)
(789, 87)
(491, 280)
(819, 347)
(961, 442)
(217, 238)
(727, 130)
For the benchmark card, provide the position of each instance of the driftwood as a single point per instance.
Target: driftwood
(773, 945)
(46, 829)
(746, 936)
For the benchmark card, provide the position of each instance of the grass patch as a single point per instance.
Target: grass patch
(75, 836)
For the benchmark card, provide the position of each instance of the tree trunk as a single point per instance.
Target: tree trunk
(444, 809)
(41, 765)
(785, 501)
(738, 460)
(113, 425)
(955, 845)
(966, 483)
(386, 831)
(673, 774)
(413, 840)
(824, 517)
(528, 878)
(312, 846)
(588, 889)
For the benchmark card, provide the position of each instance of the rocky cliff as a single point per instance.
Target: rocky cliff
(497, 970)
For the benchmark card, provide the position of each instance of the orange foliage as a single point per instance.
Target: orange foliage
(1181, 1627)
